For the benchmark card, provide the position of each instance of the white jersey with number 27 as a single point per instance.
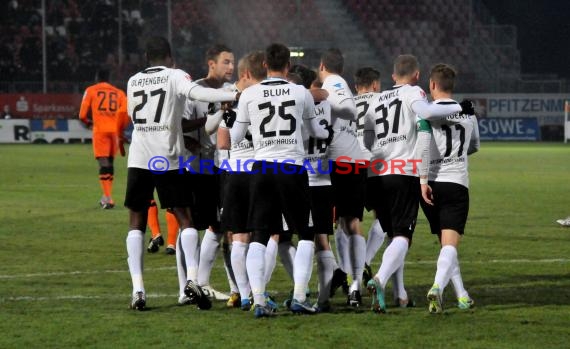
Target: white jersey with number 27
(156, 98)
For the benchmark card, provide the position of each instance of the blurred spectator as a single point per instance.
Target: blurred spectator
(83, 35)
(6, 112)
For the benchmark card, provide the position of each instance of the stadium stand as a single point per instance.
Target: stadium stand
(83, 35)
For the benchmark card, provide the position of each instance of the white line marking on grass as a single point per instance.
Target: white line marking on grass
(82, 297)
(503, 261)
(76, 272)
(95, 272)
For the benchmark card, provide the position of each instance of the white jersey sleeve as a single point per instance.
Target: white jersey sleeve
(344, 146)
(475, 143)
(340, 97)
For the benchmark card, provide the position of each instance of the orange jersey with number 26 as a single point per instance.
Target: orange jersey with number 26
(106, 105)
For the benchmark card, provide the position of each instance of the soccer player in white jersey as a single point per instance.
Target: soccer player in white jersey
(396, 125)
(446, 195)
(156, 97)
(277, 112)
(367, 85)
(206, 176)
(348, 181)
(320, 191)
(237, 184)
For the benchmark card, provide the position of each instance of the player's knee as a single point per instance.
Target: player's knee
(260, 237)
(106, 170)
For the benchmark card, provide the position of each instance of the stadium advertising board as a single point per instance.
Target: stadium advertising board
(509, 129)
(43, 131)
(14, 131)
(42, 106)
(518, 105)
(546, 109)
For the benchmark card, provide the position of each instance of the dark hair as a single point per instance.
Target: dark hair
(102, 75)
(157, 48)
(366, 76)
(277, 57)
(306, 76)
(333, 61)
(214, 52)
(405, 65)
(254, 61)
(444, 76)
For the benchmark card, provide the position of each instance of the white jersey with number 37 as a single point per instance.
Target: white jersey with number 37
(449, 147)
(395, 129)
(276, 110)
(156, 98)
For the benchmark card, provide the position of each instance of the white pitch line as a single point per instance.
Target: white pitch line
(76, 272)
(94, 272)
(80, 297)
(504, 261)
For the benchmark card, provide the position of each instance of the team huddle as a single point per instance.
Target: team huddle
(294, 151)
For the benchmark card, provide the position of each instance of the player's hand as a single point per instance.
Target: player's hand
(467, 107)
(319, 94)
(427, 194)
(122, 140)
(226, 105)
(88, 124)
(191, 144)
(122, 148)
(229, 117)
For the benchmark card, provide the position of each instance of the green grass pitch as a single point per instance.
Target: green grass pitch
(64, 281)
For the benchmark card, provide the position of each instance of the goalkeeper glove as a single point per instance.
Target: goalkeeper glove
(467, 107)
(229, 117)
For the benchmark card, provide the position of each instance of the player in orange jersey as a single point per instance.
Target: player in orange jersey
(104, 109)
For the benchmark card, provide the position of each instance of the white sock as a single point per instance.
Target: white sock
(287, 255)
(325, 269)
(375, 239)
(357, 246)
(208, 251)
(135, 248)
(270, 259)
(342, 250)
(392, 259)
(189, 240)
(445, 263)
(457, 281)
(303, 269)
(398, 284)
(180, 266)
(255, 264)
(227, 251)
(238, 256)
